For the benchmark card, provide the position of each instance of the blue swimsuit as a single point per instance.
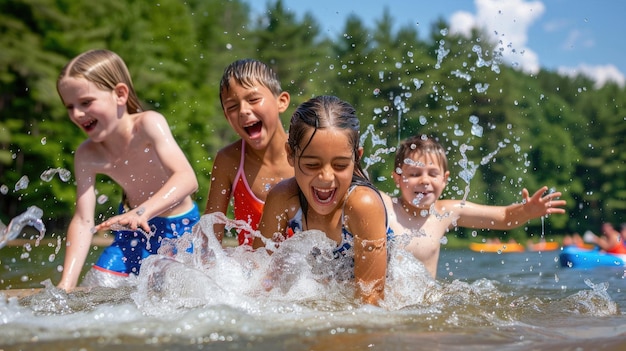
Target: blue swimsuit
(129, 248)
(347, 239)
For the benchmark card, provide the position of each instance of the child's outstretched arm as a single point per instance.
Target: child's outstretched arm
(79, 232)
(506, 217)
(220, 189)
(181, 183)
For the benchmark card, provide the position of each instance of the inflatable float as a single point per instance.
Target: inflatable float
(496, 247)
(544, 246)
(514, 247)
(577, 257)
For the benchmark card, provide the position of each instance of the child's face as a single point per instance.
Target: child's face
(92, 109)
(253, 112)
(324, 170)
(421, 180)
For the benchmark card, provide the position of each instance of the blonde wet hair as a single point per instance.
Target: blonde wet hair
(106, 70)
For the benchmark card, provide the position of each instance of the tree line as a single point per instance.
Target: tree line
(504, 129)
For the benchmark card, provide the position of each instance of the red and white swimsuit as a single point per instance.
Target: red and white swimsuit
(247, 206)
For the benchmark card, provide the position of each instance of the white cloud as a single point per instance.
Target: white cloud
(507, 23)
(602, 74)
(462, 22)
(555, 25)
(577, 38)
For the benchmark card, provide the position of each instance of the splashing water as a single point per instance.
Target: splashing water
(302, 270)
(22, 183)
(219, 297)
(376, 140)
(31, 217)
(468, 168)
(64, 174)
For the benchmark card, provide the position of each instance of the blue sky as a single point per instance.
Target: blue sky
(567, 36)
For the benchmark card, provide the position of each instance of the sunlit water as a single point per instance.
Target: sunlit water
(235, 299)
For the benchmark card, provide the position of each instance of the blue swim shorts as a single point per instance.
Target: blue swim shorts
(129, 248)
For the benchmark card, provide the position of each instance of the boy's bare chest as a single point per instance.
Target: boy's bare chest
(137, 165)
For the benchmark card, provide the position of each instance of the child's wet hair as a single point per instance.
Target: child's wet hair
(248, 72)
(420, 144)
(325, 112)
(106, 70)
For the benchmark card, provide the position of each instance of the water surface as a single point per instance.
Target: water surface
(480, 301)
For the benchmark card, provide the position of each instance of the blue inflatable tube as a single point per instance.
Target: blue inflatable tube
(576, 257)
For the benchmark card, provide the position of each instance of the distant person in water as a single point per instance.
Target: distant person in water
(611, 240)
(247, 169)
(331, 193)
(136, 149)
(420, 219)
(573, 240)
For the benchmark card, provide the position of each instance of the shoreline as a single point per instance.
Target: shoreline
(98, 239)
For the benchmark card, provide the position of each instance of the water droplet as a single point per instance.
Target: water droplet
(22, 183)
(4, 189)
(64, 174)
(47, 175)
(477, 130)
(102, 199)
(43, 141)
(481, 88)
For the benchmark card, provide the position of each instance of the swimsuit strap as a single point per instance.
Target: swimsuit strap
(240, 169)
(241, 175)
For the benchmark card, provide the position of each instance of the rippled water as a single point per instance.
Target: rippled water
(481, 301)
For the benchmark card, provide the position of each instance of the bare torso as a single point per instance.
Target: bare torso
(132, 162)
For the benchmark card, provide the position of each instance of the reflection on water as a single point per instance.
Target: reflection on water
(222, 300)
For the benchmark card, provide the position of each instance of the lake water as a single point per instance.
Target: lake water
(480, 301)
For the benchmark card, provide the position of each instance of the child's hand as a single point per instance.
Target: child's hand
(539, 205)
(132, 220)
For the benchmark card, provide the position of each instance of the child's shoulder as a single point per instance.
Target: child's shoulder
(230, 153)
(147, 117)
(284, 193)
(364, 197)
(287, 186)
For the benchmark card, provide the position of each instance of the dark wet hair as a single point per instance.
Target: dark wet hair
(105, 69)
(247, 72)
(420, 144)
(325, 112)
